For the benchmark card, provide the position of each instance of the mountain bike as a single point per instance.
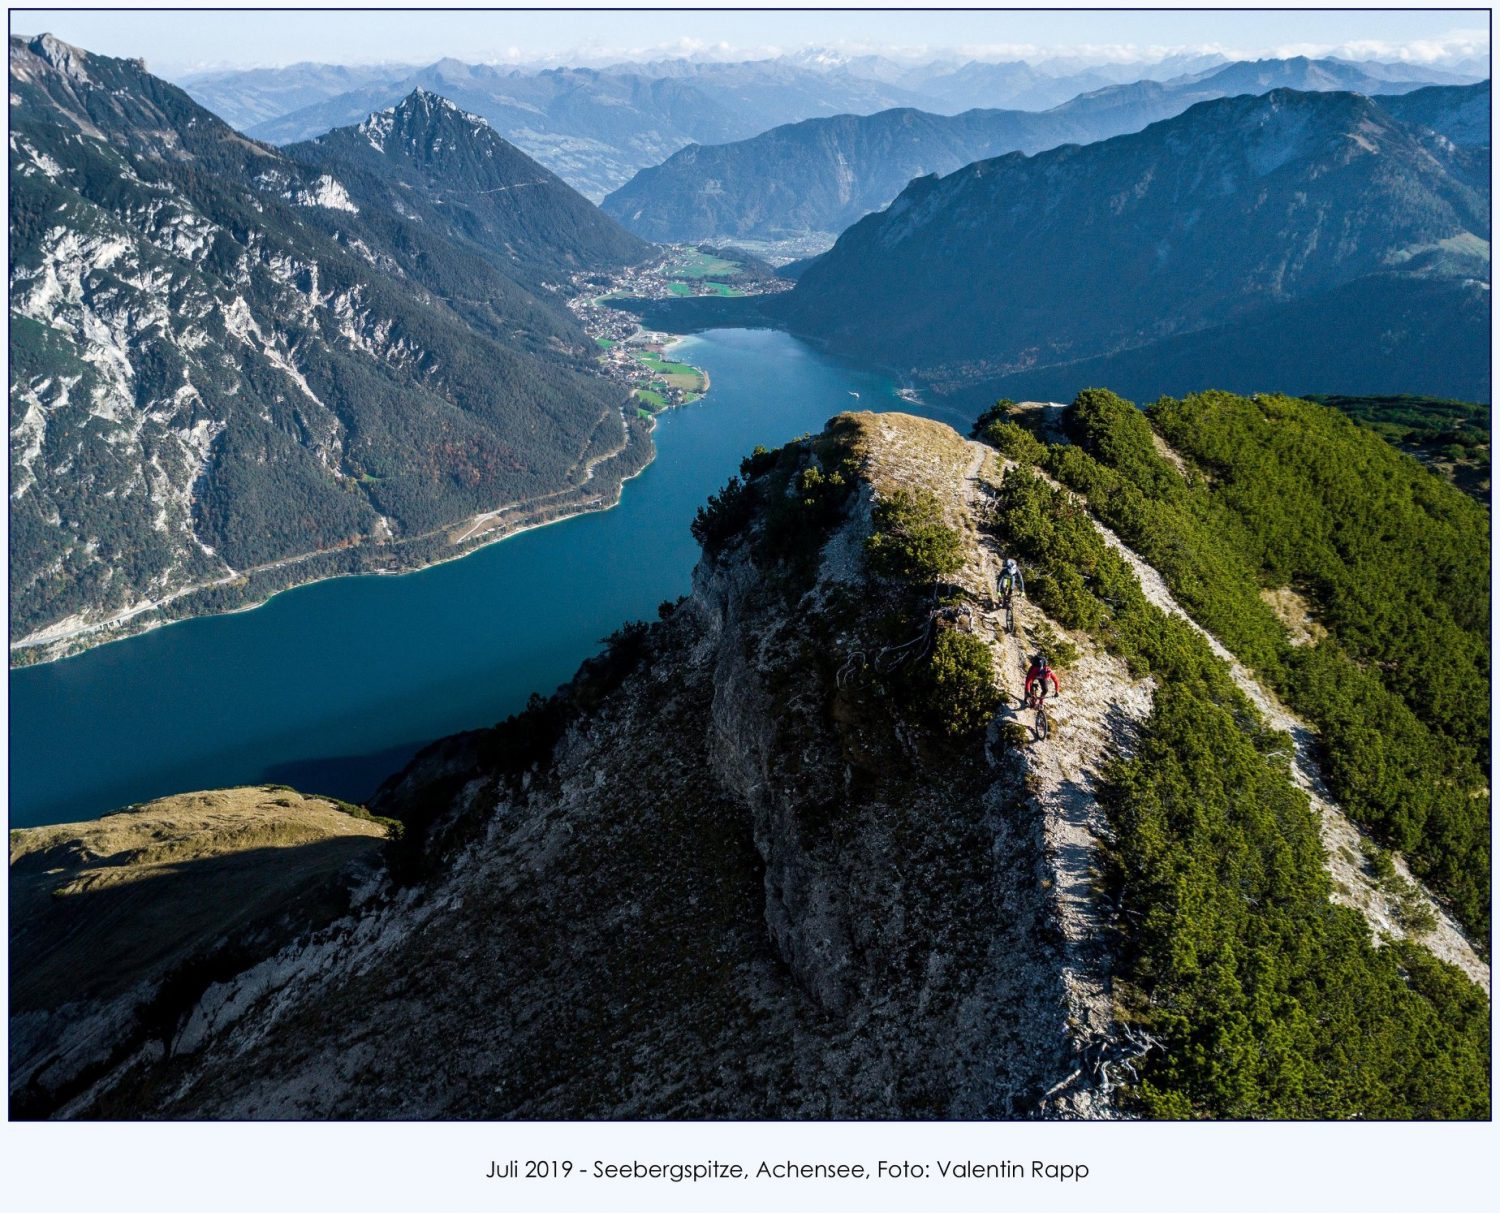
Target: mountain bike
(1041, 726)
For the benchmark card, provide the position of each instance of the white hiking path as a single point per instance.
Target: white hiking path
(1353, 885)
(1097, 718)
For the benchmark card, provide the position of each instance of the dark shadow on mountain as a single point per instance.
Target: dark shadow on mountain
(347, 776)
(150, 948)
(1377, 335)
(72, 940)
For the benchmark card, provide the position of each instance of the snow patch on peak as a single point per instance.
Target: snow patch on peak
(423, 97)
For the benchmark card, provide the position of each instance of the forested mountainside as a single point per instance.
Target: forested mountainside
(1460, 113)
(794, 850)
(1453, 437)
(426, 159)
(1379, 334)
(233, 369)
(1212, 218)
(824, 174)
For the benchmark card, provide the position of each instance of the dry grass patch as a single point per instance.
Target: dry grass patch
(1295, 614)
(98, 905)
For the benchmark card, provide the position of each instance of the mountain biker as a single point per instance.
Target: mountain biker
(1010, 578)
(1038, 675)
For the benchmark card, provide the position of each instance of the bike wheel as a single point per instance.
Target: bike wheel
(1042, 726)
(1010, 619)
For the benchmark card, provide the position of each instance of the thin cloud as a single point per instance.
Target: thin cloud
(1459, 45)
(1462, 44)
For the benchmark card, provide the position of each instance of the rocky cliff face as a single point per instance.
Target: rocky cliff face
(720, 875)
(748, 864)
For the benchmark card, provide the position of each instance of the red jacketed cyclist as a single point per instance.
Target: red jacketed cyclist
(1038, 676)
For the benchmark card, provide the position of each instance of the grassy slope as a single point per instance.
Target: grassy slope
(98, 905)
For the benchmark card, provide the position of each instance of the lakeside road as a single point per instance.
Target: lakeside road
(76, 634)
(73, 635)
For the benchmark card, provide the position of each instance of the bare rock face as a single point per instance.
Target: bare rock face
(745, 865)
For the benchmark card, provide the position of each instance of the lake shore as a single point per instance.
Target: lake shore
(68, 638)
(330, 690)
(71, 637)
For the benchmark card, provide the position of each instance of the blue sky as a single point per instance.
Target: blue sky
(174, 42)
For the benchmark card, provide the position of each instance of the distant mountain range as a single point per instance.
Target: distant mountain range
(596, 127)
(593, 127)
(234, 369)
(1213, 218)
(823, 174)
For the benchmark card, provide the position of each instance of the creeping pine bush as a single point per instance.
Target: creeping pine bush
(999, 411)
(1286, 492)
(911, 541)
(1268, 1000)
(1060, 653)
(958, 693)
(727, 513)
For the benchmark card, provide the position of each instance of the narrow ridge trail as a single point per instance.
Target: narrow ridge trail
(1096, 718)
(1353, 885)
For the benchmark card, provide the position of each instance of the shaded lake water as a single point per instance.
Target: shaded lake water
(331, 687)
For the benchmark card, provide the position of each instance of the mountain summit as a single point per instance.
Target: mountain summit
(234, 369)
(427, 158)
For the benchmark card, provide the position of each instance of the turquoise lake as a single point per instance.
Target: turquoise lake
(332, 686)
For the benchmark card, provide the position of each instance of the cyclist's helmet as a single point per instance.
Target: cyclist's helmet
(1041, 661)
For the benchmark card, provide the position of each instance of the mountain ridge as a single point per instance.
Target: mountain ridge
(597, 126)
(1217, 212)
(817, 878)
(826, 173)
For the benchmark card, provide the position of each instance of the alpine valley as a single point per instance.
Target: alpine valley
(1307, 238)
(804, 845)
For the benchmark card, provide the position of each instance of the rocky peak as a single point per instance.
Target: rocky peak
(68, 60)
(428, 129)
